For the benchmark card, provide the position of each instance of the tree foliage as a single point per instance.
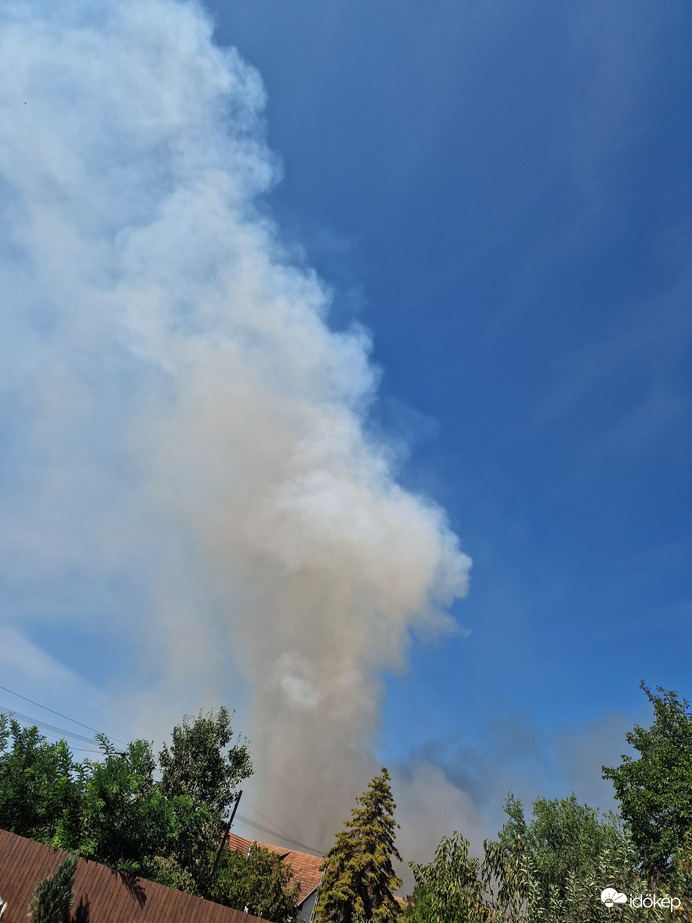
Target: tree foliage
(506, 887)
(52, 899)
(166, 870)
(260, 881)
(655, 790)
(200, 772)
(202, 765)
(448, 889)
(359, 879)
(40, 786)
(125, 819)
(562, 837)
(162, 818)
(159, 819)
(549, 868)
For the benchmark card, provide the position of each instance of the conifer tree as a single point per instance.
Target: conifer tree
(358, 875)
(53, 898)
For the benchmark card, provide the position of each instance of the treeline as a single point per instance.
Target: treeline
(564, 863)
(161, 816)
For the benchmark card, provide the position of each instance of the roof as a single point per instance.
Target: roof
(101, 894)
(306, 867)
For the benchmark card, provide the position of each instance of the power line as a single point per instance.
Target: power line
(58, 713)
(268, 830)
(50, 727)
(44, 725)
(280, 830)
(273, 832)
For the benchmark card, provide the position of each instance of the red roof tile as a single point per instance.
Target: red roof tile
(239, 843)
(306, 867)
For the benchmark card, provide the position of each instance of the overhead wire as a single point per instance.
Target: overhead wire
(276, 833)
(29, 721)
(264, 817)
(272, 830)
(58, 713)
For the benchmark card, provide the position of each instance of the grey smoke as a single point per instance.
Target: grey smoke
(186, 418)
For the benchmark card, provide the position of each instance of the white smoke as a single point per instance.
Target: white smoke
(193, 422)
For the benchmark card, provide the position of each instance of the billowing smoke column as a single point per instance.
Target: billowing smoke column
(166, 334)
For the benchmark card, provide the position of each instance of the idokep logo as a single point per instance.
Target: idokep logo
(610, 896)
(653, 900)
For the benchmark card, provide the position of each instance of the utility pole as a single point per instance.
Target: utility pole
(225, 835)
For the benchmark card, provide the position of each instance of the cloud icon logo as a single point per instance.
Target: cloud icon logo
(610, 896)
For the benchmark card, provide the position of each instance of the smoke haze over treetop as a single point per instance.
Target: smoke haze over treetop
(187, 428)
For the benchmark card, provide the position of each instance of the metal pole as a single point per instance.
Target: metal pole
(225, 835)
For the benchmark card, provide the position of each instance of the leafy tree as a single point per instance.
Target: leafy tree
(655, 790)
(506, 888)
(110, 810)
(358, 875)
(459, 888)
(168, 871)
(260, 881)
(40, 790)
(202, 768)
(115, 810)
(192, 845)
(679, 881)
(510, 887)
(560, 862)
(563, 838)
(417, 908)
(448, 889)
(125, 817)
(52, 898)
(201, 764)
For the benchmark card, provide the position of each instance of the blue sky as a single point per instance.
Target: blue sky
(498, 193)
(502, 192)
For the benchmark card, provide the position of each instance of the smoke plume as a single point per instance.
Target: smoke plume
(183, 421)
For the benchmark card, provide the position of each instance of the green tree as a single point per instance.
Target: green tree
(505, 886)
(554, 867)
(358, 875)
(562, 838)
(52, 898)
(202, 764)
(417, 908)
(126, 820)
(655, 790)
(679, 882)
(168, 871)
(40, 787)
(448, 889)
(117, 810)
(260, 881)
(458, 888)
(510, 887)
(202, 767)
